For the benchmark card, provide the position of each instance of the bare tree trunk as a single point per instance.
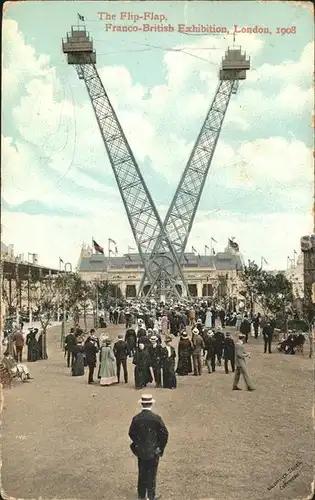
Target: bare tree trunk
(311, 344)
(85, 318)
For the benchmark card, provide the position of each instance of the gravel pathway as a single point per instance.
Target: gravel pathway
(62, 438)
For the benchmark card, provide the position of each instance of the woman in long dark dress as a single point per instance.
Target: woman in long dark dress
(40, 347)
(184, 366)
(32, 345)
(168, 356)
(141, 360)
(77, 369)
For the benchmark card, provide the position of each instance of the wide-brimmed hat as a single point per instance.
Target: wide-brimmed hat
(241, 336)
(184, 334)
(195, 330)
(153, 338)
(146, 399)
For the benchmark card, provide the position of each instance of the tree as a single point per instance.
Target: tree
(108, 293)
(273, 292)
(44, 295)
(252, 278)
(76, 294)
(276, 295)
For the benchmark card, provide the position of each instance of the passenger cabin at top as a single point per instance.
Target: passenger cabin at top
(234, 65)
(79, 46)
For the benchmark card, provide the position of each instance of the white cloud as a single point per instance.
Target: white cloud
(20, 61)
(271, 235)
(275, 161)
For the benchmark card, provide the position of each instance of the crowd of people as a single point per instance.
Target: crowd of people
(148, 342)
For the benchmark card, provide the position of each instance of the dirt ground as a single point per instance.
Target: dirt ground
(62, 438)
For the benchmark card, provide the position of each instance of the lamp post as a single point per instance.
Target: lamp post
(67, 269)
(281, 296)
(96, 305)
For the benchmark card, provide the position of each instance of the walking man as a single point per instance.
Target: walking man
(229, 352)
(90, 351)
(70, 342)
(240, 363)
(267, 334)
(18, 338)
(121, 352)
(149, 437)
(198, 347)
(210, 348)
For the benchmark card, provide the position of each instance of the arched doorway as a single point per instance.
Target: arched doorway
(131, 291)
(207, 290)
(193, 290)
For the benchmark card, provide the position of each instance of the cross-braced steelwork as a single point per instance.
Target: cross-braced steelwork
(181, 214)
(143, 217)
(161, 246)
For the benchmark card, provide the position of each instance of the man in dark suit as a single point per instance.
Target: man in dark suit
(267, 334)
(70, 342)
(121, 352)
(229, 352)
(90, 351)
(149, 437)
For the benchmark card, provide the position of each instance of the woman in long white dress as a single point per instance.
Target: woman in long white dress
(208, 323)
(107, 371)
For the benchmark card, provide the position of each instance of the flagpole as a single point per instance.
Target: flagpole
(211, 249)
(92, 244)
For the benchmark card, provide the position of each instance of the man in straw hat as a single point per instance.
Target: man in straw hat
(149, 437)
(240, 363)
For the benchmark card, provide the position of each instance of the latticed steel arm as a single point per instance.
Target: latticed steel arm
(143, 217)
(182, 211)
(181, 214)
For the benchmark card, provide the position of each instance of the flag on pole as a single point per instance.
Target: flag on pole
(112, 241)
(295, 252)
(193, 250)
(128, 257)
(185, 257)
(98, 247)
(116, 250)
(60, 261)
(206, 248)
(81, 18)
(264, 260)
(213, 251)
(233, 244)
(131, 249)
(215, 241)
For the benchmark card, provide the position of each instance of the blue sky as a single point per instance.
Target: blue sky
(58, 186)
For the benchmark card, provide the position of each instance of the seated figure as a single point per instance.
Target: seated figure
(19, 370)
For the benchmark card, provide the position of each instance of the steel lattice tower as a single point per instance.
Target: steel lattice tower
(161, 247)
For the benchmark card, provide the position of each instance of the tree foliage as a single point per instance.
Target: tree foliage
(273, 292)
(108, 293)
